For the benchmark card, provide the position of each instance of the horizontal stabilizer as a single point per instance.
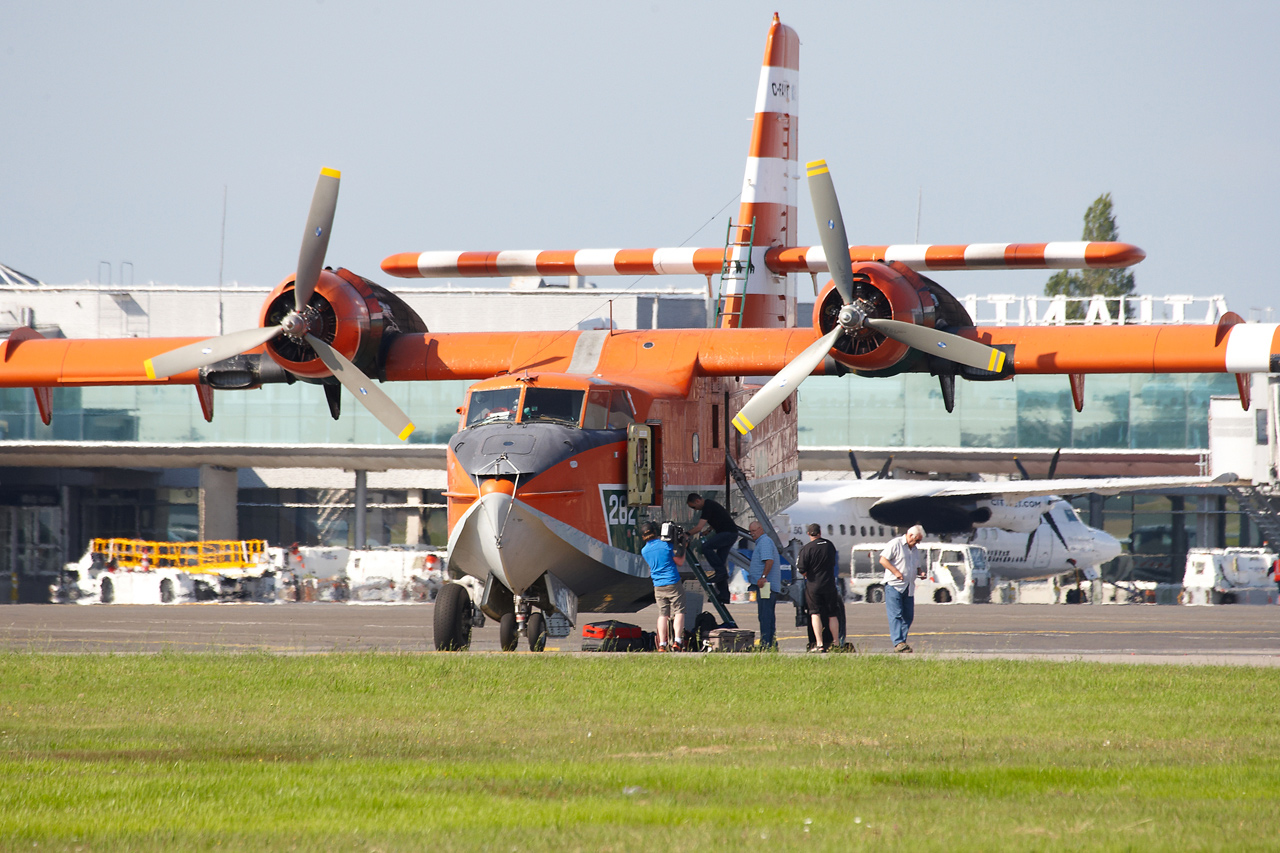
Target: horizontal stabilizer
(793, 259)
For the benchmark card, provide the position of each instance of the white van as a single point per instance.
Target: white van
(956, 574)
(1229, 576)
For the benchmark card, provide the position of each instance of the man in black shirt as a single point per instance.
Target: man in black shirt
(713, 516)
(817, 561)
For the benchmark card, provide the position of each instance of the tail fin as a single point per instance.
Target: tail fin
(757, 297)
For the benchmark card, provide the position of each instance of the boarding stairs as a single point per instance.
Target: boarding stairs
(1261, 507)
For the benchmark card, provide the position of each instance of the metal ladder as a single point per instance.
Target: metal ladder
(794, 592)
(735, 269)
(1259, 506)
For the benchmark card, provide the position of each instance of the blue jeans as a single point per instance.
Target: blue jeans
(768, 622)
(901, 609)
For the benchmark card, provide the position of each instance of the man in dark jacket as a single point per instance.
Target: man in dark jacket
(817, 561)
(712, 516)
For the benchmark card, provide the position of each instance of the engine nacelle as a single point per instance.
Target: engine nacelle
(889, 291)
(350, 313)
(1020, 517)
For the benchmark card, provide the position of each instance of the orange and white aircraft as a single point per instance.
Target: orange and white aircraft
(568, 440)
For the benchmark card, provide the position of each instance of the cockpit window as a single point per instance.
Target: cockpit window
(620, 412)
(493, 406)
(552, 405)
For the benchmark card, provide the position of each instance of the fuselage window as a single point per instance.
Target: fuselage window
(863, 531)
(494, 405)
(830, 530)
(552, 406)
(842, 530)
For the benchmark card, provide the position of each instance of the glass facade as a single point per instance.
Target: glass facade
(1124, 411)
(1164, 412)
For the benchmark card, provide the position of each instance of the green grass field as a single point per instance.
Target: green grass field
(641, 752)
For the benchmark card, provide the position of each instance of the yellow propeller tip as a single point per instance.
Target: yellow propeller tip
(150, 368)
(331, 173)
(406, 432)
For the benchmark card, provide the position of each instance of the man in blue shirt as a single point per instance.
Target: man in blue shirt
(668, 590)
(765, 572)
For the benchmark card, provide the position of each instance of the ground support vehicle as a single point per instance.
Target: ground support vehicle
(1229, 576)
(956, 574)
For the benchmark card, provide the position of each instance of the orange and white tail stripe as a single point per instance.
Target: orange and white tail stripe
(765, 297)
(779, 261)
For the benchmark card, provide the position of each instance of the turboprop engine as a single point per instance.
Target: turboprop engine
(319, 325)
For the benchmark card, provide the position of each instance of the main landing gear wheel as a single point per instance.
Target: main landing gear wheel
(508, 637)
(875, 595)
(452, 618)
(537, 628)
(166, 591)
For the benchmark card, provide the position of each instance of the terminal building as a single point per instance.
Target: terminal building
(143, 462)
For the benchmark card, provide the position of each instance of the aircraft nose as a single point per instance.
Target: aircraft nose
(1105, 547)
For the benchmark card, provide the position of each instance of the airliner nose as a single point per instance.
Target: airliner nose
(1105, 547)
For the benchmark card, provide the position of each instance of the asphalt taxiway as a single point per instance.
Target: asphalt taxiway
(1232, 634)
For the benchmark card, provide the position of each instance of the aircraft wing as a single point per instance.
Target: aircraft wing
(793, 259)
(889, 492)
(1017, 489)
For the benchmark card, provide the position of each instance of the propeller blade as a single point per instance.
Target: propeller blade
(1021, 469)
(942, 344)
(363, 388)
(1047, 516)
(1053, 463)
(204, 353)
(1030, 538)
(835, 243)
(883, 473)
(315, 240)
(784, 382)
(853, 461)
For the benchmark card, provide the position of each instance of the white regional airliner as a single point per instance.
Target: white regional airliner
(1028, 530)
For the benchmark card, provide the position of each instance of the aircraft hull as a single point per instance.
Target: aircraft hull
(518, 544)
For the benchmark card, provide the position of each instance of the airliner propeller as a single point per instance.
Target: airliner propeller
(855, 315)
(298, 324)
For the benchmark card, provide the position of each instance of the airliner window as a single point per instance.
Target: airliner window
(552, 405)
(494, 406)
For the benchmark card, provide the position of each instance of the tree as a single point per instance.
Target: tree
(1099, 225)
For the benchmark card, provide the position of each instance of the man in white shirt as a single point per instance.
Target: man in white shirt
(901, 561)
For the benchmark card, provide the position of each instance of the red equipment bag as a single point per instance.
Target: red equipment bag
(611, 630)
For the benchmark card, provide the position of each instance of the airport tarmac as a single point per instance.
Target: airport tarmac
(1239, 634)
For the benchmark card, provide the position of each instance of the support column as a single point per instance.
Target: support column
(361, 508)
(219, 496)
(413, 517)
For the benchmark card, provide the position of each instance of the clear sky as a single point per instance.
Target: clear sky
(518, 125)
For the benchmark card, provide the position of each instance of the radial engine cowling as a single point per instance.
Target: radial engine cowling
(350, 313)
(888, 291)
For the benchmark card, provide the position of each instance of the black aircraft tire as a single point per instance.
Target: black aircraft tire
(537, 629)
(166, 591)
(875, 594)
(508, 638)
(452, 630)
(107, 592)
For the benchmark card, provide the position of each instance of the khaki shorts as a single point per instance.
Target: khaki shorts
(670, 599)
